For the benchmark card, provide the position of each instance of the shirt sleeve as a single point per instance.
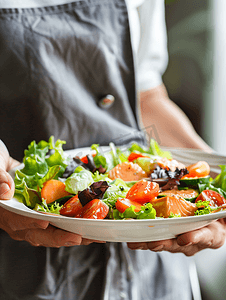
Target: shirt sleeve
(151, 55)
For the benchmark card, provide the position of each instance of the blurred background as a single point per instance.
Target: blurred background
(196, 81)
(196, 73)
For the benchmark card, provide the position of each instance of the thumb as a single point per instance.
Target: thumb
(6, 181)
(6, 185)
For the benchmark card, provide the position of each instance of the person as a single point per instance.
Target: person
(59, 59)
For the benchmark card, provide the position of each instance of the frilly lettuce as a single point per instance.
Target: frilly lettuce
(53, 208)
(38, 168)
(204, 208)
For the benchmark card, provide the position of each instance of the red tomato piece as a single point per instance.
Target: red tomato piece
(122, 204)
(213, 197)
(199, 169)
(84, 159)
(133, 156)
(71, 207)
(95, 209)
(143, 191)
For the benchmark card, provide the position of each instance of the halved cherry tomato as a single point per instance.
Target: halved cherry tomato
(71, 207)
(123, 203)
(143, 191)
(134, 155)
(199, 169)
(213, 197)
(95, 209)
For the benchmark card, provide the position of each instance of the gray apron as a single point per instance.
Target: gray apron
(57, 63)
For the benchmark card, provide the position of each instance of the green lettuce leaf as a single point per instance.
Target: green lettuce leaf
(147, 212)
(220, 180)
(38, 168)
(118, 189)
(26, 195)
(155, 149)
(99, 159)
(80, 180)
(137, 148)
(52, 173)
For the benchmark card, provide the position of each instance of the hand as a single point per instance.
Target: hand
(6, 181)
(36, 232)
(211, 236)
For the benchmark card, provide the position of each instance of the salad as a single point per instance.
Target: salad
(124, 183)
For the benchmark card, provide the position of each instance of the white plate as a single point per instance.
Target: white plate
(129, 230)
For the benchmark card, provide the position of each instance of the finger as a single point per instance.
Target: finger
(211, 236)
(51, 237)
(13, 222)
(137, 246)
(166, 245)
(155, 246)
(6, 185)
(88, 241)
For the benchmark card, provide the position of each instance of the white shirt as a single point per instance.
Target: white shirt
(149, 40)
(148, 36)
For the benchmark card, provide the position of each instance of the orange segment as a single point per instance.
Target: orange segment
(52, 190)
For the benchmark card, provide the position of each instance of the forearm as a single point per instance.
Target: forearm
(171, 124)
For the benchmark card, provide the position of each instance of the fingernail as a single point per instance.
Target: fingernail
(5, 188)
(158, 248)
(189, 244)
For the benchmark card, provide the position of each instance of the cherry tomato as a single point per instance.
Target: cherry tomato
(199, 169)
(71, 207)
(95, 209)
(213, 197)
(122, 204)
(143, 191)
(133, 156)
